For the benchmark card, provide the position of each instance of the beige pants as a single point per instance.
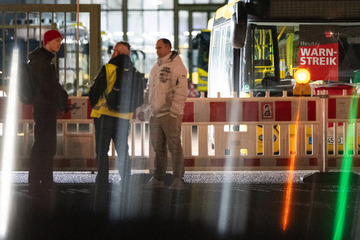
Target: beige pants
(165, 134)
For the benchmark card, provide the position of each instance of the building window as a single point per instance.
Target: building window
(144, 29)
(150, 4)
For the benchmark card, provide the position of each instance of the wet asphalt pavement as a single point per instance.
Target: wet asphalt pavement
(213, 205)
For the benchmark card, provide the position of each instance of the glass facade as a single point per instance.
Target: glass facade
(142, 23)
(149, 20)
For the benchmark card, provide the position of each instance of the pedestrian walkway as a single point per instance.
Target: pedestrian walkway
(213, 205)
(190, 177)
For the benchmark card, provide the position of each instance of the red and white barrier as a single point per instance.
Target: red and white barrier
(219, 134)
(239, 150)
(338, 114)
(246, 110)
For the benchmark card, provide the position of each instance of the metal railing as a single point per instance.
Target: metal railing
(24, 25)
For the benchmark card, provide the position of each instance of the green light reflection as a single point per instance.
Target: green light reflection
(345, 172)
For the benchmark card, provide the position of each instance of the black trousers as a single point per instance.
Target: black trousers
(109, 128)
(44, 148)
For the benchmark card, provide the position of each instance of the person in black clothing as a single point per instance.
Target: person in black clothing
(50, 98)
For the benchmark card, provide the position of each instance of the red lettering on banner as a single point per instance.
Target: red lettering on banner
(321, 60)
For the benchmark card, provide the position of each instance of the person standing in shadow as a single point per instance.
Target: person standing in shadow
(50, 98)
(111, 124)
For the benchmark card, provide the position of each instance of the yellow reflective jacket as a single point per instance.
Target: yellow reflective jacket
(101, 107)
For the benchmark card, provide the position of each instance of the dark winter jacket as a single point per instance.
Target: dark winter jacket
(49, 93)
(120, 68)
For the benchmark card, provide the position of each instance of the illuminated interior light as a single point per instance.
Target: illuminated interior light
(342, 198)
(210, 24)
(9, 144)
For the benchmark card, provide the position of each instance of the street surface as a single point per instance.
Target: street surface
(213, 205)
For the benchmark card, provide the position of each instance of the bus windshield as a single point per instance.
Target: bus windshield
(274, 51)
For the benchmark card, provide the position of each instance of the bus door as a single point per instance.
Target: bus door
(262, 69)
(201, 44)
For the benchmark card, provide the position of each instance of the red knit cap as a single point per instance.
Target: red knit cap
(50, 35)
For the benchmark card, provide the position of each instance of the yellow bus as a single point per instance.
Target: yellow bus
(257, 45)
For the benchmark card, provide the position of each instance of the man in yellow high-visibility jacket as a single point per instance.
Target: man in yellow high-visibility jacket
(109, 124)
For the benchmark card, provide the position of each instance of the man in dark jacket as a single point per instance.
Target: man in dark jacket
(111, 124)
(49, 99)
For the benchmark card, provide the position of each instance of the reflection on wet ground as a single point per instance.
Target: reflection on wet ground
(213, 205)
